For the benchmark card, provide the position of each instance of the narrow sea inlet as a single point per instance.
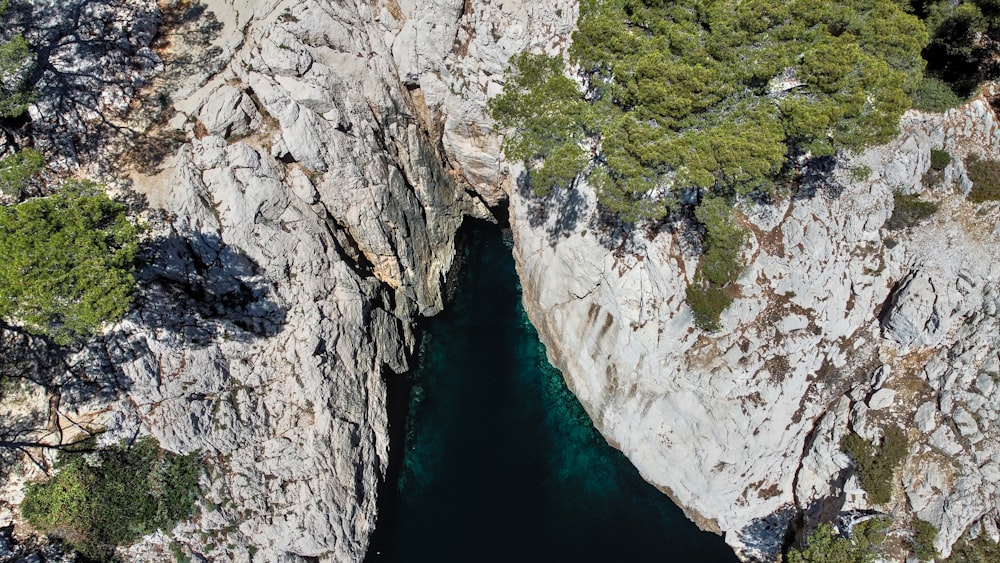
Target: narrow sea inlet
(501, 463)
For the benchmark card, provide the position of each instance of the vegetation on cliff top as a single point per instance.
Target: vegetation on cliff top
(68, 262)
(115, 496)
(714, 95)
(962, 48)
(713, 98)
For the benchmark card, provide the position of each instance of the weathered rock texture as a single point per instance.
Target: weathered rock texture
(303, 168)
(304, 164)
(305, 221)
(838, 324)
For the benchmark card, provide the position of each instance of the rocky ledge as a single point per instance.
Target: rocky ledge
(304, 165)
(838, 325)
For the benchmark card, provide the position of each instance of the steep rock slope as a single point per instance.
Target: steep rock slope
(303, 167)
(305, 222)
(837, 324)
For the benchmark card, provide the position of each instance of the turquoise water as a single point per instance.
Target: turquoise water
(501, 463)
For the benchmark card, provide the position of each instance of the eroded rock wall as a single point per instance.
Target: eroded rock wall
(303, 168)
(838, 324)
(306, 221)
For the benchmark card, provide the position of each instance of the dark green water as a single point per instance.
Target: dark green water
(501, 462)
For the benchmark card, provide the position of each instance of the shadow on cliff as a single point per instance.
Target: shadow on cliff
(564, 211)
(95, 63)
(559, 212)
(30, 364)
(199, 289)
(816, 179)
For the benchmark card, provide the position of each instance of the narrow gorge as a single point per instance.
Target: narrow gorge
(499, 461)
(303, 169)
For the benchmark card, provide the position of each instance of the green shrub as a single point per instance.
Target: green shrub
(985, 177)
(932, 178)
(908, 210)
(722, 263)
(17, 169)
(825, 545)
(67, 262)
(935, 95)
(131, 491)
(980, 550)
(860, 173)
(877, 466)
(708, 302)
(16, 65)
(940, 159)
(923, 540)
(675, 95)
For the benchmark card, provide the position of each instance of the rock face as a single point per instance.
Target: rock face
(305, 222)
(838, 325)
(304, 166)
(304, 171)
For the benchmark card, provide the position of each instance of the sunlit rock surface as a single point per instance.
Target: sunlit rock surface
(303, 166)
(837, 324)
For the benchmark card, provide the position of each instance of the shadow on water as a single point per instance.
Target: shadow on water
(500, 461)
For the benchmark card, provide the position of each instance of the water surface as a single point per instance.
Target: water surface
(501, 463)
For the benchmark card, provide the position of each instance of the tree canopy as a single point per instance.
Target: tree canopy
(132, 491)
(17, 169)
(708, 94)
(825, 545)
(68, 262)
(964, 37)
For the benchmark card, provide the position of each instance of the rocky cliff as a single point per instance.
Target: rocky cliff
(838, 324)
(303, 166)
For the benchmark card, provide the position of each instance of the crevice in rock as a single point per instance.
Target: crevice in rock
(348, 248)
(882, 311)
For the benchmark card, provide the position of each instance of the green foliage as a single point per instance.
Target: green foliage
(877, 465)
(963, 41)
(860, 173)
(939, 159)
(825, 545)
(68, 262)
(720, 265)
(130, 492)
(549, 119)
(724, 239)
(17, 169)
(16, 64)
(935, 95)
(979, 550)
(908, 211)
(923, 540)
(985, 177)
(710, 94)
(708, 302)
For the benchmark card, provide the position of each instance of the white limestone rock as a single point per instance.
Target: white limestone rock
(914, 317)
(743, 403)
(292, 246)
(229, 112)
(881, 399)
